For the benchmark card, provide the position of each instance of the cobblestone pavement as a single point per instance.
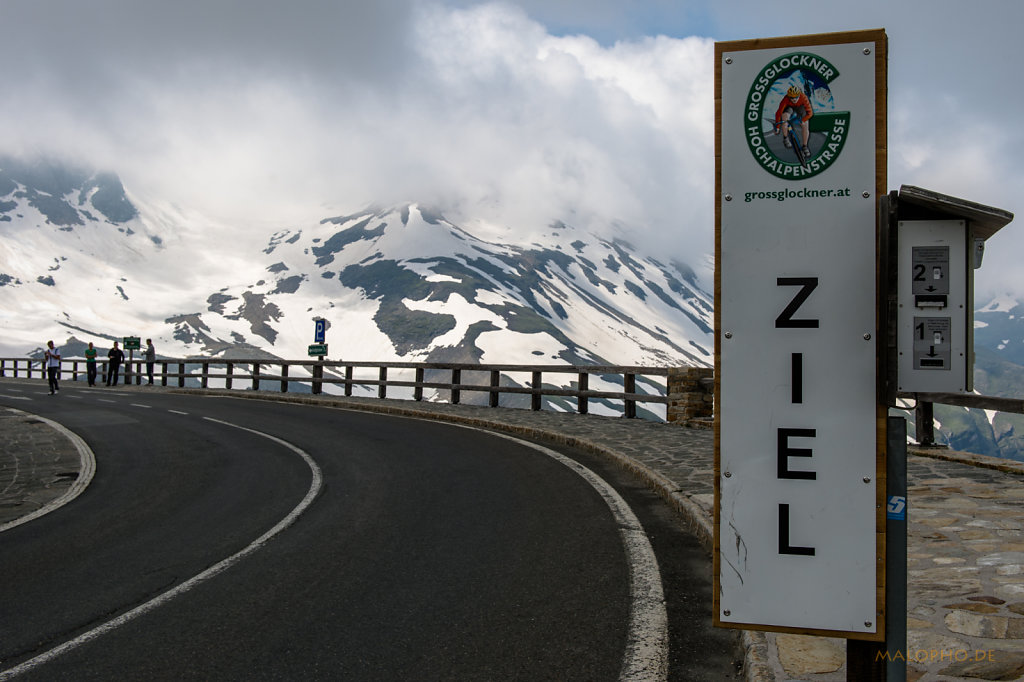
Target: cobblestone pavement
(38, 465)
(965, 543)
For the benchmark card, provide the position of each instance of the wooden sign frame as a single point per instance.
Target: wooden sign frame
(770, 181)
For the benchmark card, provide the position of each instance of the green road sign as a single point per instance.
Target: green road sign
(132, 343)
(317, 349)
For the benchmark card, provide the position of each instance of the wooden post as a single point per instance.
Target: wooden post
(456, 379)
(495, 396)
(163, 374)
(227, 379)
(204, 381)
(318, 376)
(181, 375)
(382, 388)
(255, 376)
(582, 402)
(629, 386)
(417, 392)
(535, 399)
(284, 377)
(348, 380)
(924, 423)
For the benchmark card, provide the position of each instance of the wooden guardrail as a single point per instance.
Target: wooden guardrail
(686, 392)
(924, 419)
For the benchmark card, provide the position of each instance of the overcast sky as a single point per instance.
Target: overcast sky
(516, 112)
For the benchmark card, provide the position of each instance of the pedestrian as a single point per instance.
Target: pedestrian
(52, 366)
(150, 359)
(90, 364)
(116, 357)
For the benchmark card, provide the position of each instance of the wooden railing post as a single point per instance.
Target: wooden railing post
(255, 376)
(582, 402)
(204, 380)
(382, 389)
(417, 391)
(318, 377)
(284, 377)
(924, 423)
(495, 384)
(348, 380)
(181, 375)
(629, 386)
(535, 398)
(230, 371)
(456, 380)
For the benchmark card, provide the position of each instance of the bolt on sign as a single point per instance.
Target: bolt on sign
(800, 433)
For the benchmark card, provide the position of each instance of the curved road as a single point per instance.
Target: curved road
(227, 539)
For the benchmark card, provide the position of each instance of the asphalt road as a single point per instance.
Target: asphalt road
(226, 539)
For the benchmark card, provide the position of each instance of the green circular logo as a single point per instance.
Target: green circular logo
(791, 123)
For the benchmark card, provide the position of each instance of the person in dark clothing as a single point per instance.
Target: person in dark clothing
(115, 357)
(150, 359)
(90, 364)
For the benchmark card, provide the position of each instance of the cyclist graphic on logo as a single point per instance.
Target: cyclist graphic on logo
(794, 111)
(780, 101)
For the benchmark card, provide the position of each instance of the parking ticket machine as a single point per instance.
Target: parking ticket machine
(940, 242)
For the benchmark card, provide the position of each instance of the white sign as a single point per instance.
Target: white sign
(798, 511)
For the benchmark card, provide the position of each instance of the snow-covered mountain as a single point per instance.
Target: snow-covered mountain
(998, 371)
(82, 258)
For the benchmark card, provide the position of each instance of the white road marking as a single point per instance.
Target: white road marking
(216, 569)
(16, 397)
(86, 471)
(105, 400)
(177, 412)
(147, 407)
(646, 656)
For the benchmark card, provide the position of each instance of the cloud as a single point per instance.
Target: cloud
(515, 113)
(235, 109)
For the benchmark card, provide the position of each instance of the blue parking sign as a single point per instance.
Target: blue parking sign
(319, 332)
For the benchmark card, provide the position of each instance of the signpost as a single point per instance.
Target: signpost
(130, 344)
(319, 349)
(800, 431)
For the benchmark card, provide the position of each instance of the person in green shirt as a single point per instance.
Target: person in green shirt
(90, 364)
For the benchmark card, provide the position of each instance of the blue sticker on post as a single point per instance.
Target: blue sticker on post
(897, 508)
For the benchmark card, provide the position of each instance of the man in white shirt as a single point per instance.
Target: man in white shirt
(52, 366)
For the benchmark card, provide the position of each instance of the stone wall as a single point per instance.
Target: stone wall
(691, 397)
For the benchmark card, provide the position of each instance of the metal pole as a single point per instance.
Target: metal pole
(896, 552)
